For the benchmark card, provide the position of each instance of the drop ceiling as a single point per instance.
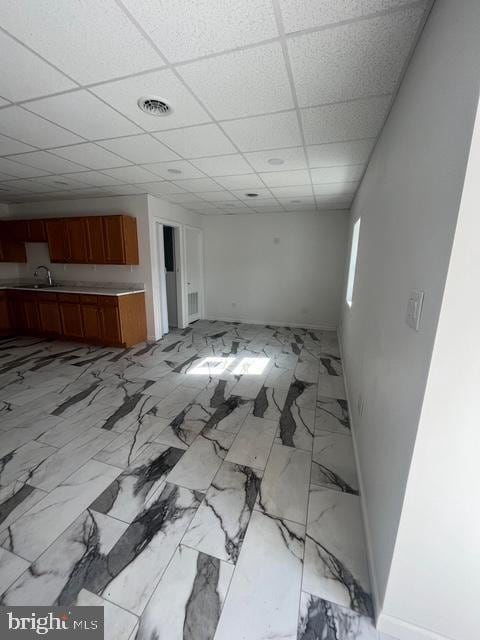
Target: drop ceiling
(281, 98)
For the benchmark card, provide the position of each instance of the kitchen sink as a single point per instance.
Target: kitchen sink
(36, 286)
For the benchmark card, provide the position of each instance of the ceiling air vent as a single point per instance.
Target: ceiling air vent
(154, 106)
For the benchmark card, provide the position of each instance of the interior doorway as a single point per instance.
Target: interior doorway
(170, 274)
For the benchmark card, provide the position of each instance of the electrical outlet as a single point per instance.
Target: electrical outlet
(414, 309)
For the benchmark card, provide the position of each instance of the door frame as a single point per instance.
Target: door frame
(180, 266)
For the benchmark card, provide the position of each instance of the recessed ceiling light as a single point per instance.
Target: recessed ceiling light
(154, 106)
(251, 195)
(275, 161)
(175, 171)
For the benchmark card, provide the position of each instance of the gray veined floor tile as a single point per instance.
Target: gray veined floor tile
(307, 371)
(53, 470)
(163, 387)
(73, 560)
(332, 415)
(330, 364)
(269, 403)
(279, 377)
(11, 566)
(323, 620)
(285, 486)
(249, 386)
(333, 463)
(221, 521)
(230, 414)
(194, 586)
(175, 434)
(137, 561)
(133, 410)
(135, 488)
(262, 601)
(15, 499)
(253, 442)
(335, 555)
(66, 430)
(128, 445)
(118, 623)
(24, 431)
(331, 387)
(201, 462)
(36, 529)
(297, 426)
(23, 460)
(175, 402)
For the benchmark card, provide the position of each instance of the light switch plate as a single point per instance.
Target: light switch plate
(414, 309)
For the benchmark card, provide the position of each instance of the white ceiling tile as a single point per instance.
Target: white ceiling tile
(198, 185)
(84, 114)
(247, 181)
(162, 188)
(241, 83)
(47, 162)
(303, 202)
(29, 128)
(335, 189)
(340, 202)
(340, 153)
(286, 178)
(87, 192)
(19, 170)
(178, 170)
(261, 194)
(369, 6)
(233, 206)
(90, 155)
(347, 173)
(139, 149)
(95, 178)
(223, 165)
(60, 182)
(23, 186)
(347, 121)
(264, 203)
(26, 75)
(217, 196)
(291, 159)
(277, 208)
(271, 131)
(354, 60)
(182, 198)
(89, 40)
(211, 27)
(164, 85)
(126, 189)
(8, 146)
(131, 174)
(292, 192)
(3, 102)
(202, 207)
(197, 142)
(304, 14)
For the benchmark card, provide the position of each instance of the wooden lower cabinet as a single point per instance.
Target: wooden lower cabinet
(5, 324)
(110, 320)
(71, 315)
(50, 321)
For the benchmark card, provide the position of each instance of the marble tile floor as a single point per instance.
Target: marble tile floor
(201, 487)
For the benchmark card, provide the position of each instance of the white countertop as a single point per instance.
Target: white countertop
(94, 291)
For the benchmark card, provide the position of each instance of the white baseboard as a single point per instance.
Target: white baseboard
(403, 630)
(363, 497)
(318, 327)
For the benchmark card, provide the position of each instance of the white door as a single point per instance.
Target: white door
(193, 272)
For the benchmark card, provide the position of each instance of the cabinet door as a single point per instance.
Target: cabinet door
(95, 240)
(36, 231)
(91, 321)
(110, 324)
(4, 312)
(14, 230)
(17, 312)
(114, 245)
(12, 251)
(57, 240)
(32, 319)
(76, 240)
(49, 317)
(71, 315)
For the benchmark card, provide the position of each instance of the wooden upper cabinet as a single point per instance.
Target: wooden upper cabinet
(57, 240)
(121, 242)
(12, 251)
(36, 231)
(14, 230)
(76, 242)
(95, 240)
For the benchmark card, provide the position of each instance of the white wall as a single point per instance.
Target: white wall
(297, 281)
(439, 535)
(408, 203)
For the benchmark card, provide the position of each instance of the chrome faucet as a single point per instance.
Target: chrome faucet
(49, 274)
